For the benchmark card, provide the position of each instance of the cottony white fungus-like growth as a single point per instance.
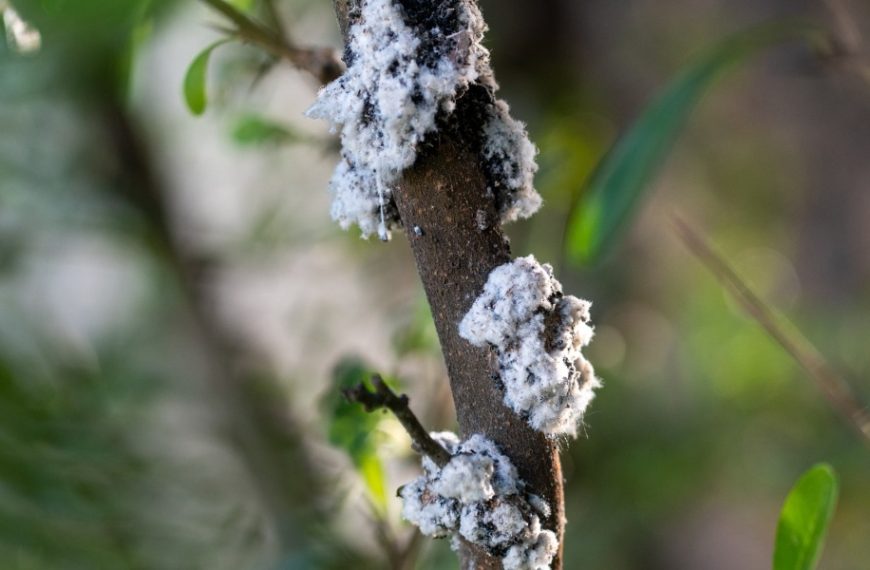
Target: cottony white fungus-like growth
(509, 156)
(479, 497)
(408, 63)
(538, 334)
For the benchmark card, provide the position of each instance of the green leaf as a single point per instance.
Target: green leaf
(255, 130)
(371, 469)
(196, 78)
(355, 431)
(243, 5)
(804, 520)
(418, 335)
(614, 189)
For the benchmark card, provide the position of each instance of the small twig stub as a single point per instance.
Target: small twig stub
(384, 398)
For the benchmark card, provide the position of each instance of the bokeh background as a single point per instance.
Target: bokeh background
(177, 309)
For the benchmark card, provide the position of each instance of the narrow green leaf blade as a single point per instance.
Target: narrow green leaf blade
(371, 469)
(196, 78)
(804, 520)
(253, 130)
(614, 189)
(243, 5)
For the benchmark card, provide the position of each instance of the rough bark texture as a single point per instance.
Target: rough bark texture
(442, 195)
(440, 200)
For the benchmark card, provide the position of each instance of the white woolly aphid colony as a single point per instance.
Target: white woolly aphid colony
(537, 334)
(408, 62)
(479, 496)
(411, 64)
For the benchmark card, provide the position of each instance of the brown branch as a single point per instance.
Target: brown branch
(846, 31)
(847, 43)
(384, 398)
(805, 354)
(442, 194)
(321, 62)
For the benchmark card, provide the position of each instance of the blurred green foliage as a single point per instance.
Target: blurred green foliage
(254, 130)
(63, 450)
(124, 449)
(354, 430)
(418, 334)
(626, 172)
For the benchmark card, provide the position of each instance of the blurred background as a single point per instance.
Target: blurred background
(177, 310)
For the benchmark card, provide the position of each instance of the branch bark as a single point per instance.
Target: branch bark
(441, 197)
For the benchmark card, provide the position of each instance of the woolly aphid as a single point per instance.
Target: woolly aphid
(537, 334)
(478, 496)
(407, 68)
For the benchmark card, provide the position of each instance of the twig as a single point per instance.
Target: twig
(805, 354)
(410, 551)
(321, 62)
(847, 33)
(384, 397)
(388, 541)
(275, 17)
(846, 39)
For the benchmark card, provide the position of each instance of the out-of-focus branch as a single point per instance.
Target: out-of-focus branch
(847, 32)
(384, 397)
(400, 555)
(321, 62)
(847, 40)
(275, 17)
(259, 433)
(835, 388)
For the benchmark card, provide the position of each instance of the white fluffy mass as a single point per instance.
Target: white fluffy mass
(479, 497)
(404, 76)
(509, 156)
(537, 333)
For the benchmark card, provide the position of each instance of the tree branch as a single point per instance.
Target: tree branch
(384, 398)
(321, 62)
(443, 194)
(258, 431)
(846, 31)
(847, 41)
(806, 355)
